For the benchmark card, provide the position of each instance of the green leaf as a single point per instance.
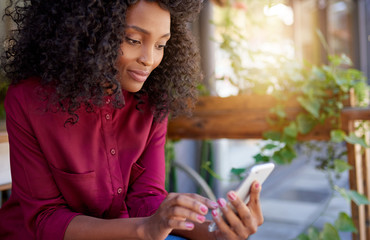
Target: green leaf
(329, 232)
(291, 130)
(343, 192)
(353, 139)
(269, 146)
(337, 136)
(238, 171)
(273, 135)
(284, 155)
(289, 140)
(312, 106)
(313, 233)
(351, 195)
(207, 167)
(261, 158)
(305, 123)
(344, 223)
(303, 237)
(341, 166)
(288, 154)
(279, 111)
(278, 158)
(358, 198)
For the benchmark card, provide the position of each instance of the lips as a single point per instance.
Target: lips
(138, 75)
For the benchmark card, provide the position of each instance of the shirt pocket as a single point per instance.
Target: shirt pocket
(79, 190)
(136, 171)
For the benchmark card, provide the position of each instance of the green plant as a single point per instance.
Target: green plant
(3, 89)
(320, 90)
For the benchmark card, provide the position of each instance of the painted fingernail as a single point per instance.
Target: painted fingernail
(214, 213)
(221, 202)
(257, 185)
(214, 204)
(204, 209)
(189, 225)
(232, 196)
(201, 218)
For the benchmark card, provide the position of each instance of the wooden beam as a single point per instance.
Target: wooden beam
(6, 186)
(355, 113)
(3, 137)
(237, 117)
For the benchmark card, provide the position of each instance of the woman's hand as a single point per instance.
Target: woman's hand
(245, 221)
(178, 211)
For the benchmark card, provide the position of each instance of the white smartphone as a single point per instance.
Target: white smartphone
(258, 173)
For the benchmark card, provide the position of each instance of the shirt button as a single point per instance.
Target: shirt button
(119, 190)
(108, 101)
(113, 151)
(107, 116)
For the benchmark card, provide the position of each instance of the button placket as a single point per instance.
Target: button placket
(112, 153)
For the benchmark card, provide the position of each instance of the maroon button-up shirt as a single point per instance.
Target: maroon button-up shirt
(110, 164)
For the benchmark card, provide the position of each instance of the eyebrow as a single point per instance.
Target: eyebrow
(139, 29)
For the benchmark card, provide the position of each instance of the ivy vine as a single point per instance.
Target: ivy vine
(321, 91)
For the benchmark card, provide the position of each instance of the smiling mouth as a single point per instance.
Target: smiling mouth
(139, 76)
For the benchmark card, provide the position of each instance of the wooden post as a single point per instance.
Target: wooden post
(366, 181)
(355, 176)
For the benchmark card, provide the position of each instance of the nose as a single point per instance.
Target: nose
(147, 56)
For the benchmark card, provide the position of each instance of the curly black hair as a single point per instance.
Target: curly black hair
(73, 45)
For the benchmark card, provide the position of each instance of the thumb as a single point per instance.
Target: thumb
(254, 202)
(255, 194)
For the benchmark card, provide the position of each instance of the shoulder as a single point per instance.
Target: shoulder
(25, 87)
(23, 94)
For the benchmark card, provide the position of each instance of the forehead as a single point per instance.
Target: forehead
(149, 16)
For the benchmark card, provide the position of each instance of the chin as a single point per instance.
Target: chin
(132, 89)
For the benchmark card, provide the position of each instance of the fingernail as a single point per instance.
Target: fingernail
(257, 185)
(214, 204)
(221, 202)
(231, 196)
(189, 225)
(203, 209)
(201, 218)
(214, 213)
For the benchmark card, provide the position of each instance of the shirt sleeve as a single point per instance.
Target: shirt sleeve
(147, 191)
(45, 211)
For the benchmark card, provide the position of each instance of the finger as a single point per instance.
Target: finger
(230, 213)
(182, 205)
(255, 194)
(180, 224)
(209, 203)
(246, 223)
(223, 228)
(179, 212)
(193, 202)
(254, 202)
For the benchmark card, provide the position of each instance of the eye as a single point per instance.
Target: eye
(132, 41)
(161, 46)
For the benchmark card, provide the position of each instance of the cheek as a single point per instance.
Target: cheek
(122, 61)
(158, 59)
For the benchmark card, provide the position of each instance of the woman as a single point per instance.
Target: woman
(92, 84)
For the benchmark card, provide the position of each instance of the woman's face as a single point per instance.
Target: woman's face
(148, 30)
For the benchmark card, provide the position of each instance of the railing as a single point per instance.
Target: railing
(245, 117)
